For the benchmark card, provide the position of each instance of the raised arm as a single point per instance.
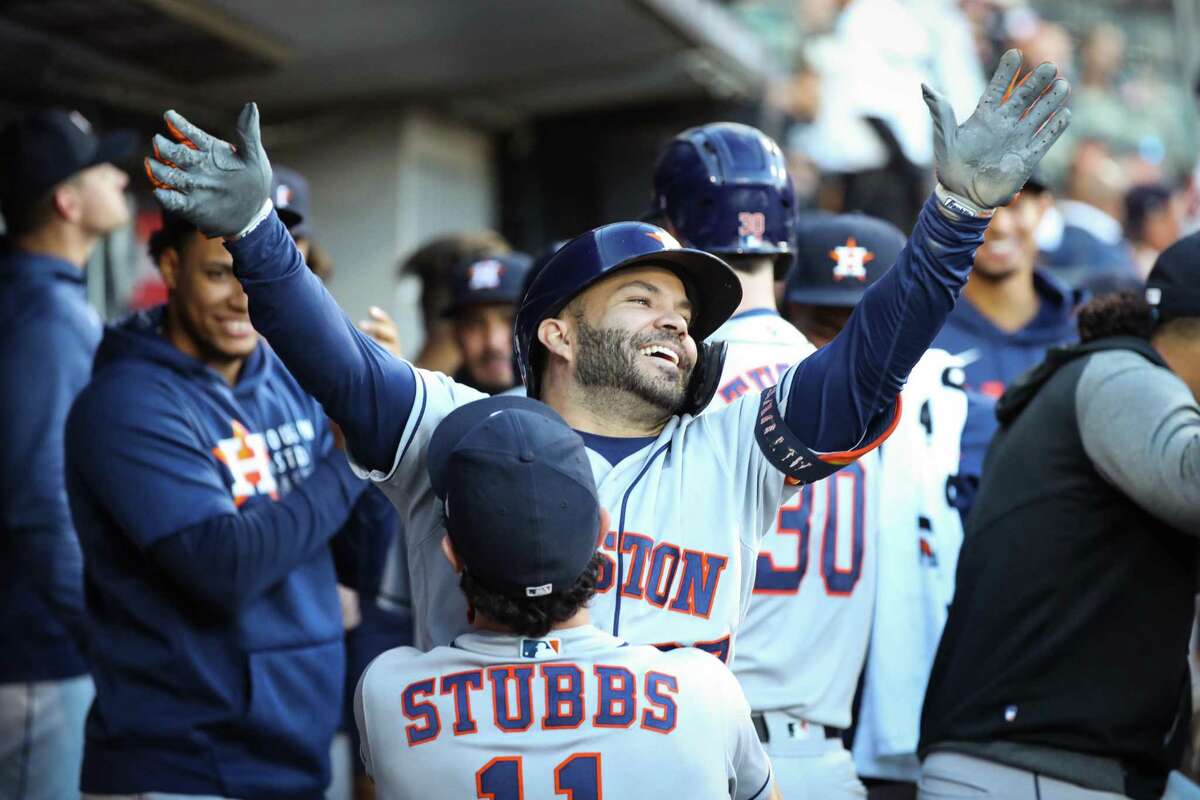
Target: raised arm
(842, 397)
(224, 191)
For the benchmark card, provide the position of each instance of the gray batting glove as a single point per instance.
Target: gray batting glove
(984, 162)
(215, 186)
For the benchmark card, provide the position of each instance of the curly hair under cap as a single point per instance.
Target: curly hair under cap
(534, 616)
(1119, 314)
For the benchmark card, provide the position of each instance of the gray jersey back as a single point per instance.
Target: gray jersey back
(577, 713)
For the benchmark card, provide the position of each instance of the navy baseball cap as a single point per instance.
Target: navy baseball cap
(1173, 286)
(290, 195)
(42, 149)
(491, 279)
(839, 256)
(520, 499)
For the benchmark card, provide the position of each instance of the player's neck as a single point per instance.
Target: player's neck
(758, 291)
(485, 623)
(1009, 303)
(61, 241)
(605, 411)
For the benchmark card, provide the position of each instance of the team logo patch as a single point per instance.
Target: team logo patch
(249, 462)
(484, 275)
(850, 260)
(283, 195)
(540, 648)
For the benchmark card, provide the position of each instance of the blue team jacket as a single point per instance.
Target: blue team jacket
(188, 700)
(997, 358)
(49, 335)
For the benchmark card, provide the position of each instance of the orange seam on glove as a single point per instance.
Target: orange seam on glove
(180, 137)
(155, 182)
(158, 157)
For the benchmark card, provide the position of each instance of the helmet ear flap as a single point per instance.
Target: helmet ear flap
(702, 386)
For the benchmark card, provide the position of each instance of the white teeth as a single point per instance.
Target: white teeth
(655, 350)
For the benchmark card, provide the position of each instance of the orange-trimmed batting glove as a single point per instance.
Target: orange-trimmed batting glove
(984, 162)
(215, 186)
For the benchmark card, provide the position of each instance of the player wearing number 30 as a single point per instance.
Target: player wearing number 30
(608, 336)
(535, 702)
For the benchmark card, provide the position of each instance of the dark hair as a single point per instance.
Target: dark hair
(174, 233)
(23, 218)
(534, 616)
(1119, 314)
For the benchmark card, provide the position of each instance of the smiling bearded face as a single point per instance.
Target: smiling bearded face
(610, 358)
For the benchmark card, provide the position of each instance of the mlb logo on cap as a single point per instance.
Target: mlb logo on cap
(484, 275)
(851, 260)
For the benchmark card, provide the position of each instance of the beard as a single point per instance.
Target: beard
(607, 360)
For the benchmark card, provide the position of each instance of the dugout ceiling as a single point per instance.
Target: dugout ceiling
(493, 61)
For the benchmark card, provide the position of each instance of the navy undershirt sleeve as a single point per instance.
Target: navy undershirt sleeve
(366, 390)
(843, 394)
(227, 561)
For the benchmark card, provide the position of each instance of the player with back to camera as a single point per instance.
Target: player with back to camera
(534, 700)
(607, 336)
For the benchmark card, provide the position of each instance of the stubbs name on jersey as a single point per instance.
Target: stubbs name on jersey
(622, 700)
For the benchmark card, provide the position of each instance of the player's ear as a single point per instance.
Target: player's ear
(556, 335)
(451, 556)
(169, 266)
(605, 521)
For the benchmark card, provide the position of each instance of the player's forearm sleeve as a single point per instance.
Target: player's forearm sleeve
(362, 387)
(1140, 426)
(838, 394)
(229, 560)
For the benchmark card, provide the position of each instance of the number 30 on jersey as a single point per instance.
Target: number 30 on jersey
(829, 514)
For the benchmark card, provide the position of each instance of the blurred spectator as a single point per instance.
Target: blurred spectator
(216, 633)
(870, 138)
(1144, 121)
(486, 294)
(1152, 223)
(1092, 244)
(60, 196)
(1010, 311)
(434, 262)
(1063, 668)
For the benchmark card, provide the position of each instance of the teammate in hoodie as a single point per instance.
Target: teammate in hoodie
(1010, 311)
(206, 490)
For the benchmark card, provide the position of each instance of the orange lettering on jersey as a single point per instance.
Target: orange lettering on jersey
(691, 590)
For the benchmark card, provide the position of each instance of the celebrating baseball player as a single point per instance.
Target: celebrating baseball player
(535, 700)
(611, 335)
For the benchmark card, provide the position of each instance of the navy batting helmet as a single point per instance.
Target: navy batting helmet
(725, 189)
(711, 285)
(839, 256)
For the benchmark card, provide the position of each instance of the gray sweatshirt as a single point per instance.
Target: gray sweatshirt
(1140, 426)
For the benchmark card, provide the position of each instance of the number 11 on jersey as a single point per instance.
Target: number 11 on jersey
(577, 777)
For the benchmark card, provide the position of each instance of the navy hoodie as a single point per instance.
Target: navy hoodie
(49, 334)
(213, 675)
(996, 358)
